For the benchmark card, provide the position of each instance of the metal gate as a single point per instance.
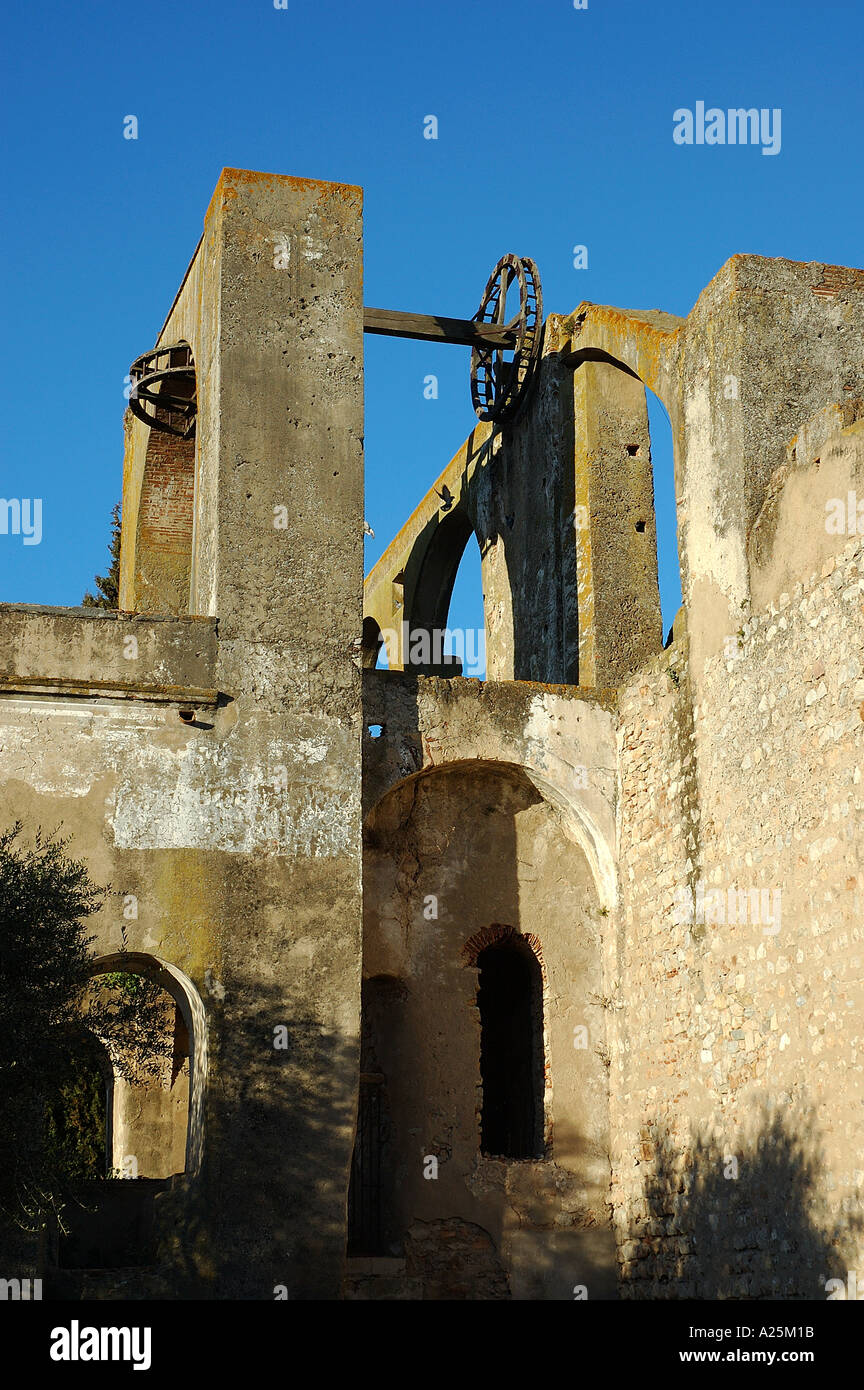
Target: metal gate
(365, 1233)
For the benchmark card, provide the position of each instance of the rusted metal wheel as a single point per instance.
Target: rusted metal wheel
(501, 384)
(164, 381)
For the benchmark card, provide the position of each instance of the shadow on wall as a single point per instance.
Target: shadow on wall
(265, 1217)
(738, 1222)
(278, 1150)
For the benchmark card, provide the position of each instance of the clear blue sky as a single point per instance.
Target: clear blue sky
(555, 129)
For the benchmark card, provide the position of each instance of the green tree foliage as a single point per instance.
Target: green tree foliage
(76, 1115)
(108, 584)
(62, 1030)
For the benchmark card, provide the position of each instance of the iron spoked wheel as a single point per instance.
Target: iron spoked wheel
(164, 380)
(500, 385)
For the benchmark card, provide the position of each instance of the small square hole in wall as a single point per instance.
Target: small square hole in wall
(633, 450)
(640, 526)
(375, 730)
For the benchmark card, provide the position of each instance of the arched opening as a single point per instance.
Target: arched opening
(510, 1001)
(465, 627)
(151, 1107)
(153, 1129)
(665, 510)
(443, 638)
(183, 1068)
(371, 644)
(143, 1135)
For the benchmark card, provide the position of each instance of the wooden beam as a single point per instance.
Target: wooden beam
(429, 328)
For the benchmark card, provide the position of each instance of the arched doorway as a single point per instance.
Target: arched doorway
(487, 1099)
(152, 1131)
(173, 1135)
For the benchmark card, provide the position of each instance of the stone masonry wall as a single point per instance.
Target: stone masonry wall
(737, 1078)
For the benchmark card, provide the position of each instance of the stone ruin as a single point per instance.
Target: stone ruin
(542, 986)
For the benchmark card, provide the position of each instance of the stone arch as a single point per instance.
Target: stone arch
(430, 602)
(644, 345)
(567, 600)
(587, 820)
(182, 990)
(427, 611)
(411, 585)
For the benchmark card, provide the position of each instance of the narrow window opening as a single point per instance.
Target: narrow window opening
(510, 1000)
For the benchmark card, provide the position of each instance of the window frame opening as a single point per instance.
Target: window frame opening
(512, 1058)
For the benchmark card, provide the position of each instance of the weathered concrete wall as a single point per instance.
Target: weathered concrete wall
(83, 649)
(238, 833)
(615, 527)
(284, 574)
(562, 736)
(484, 846)
(807, 504)
(206, 832)
(768, 344)
(732, 1041)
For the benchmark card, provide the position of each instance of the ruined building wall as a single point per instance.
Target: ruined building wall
(237, 829)
(212, 751)
(561, 505)
(734, 1044)
(737, 1066)
(452, 860)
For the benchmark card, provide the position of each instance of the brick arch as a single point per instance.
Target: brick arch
(491, 935)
